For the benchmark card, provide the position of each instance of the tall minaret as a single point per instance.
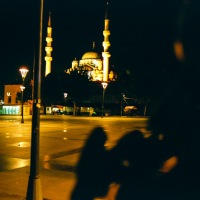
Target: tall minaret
(48, 48)
(106, 44)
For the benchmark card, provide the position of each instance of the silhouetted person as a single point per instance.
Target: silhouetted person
(91, 180)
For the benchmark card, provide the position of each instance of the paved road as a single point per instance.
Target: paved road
(61, 140)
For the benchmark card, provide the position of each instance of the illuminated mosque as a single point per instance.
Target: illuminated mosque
(92, 64)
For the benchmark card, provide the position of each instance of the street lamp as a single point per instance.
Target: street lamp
(123, 98)
(22, 101)
(34, 190)
(23, 72)
(104, 85)
(65, 97)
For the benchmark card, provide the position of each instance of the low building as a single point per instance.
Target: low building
(12, 104)
(10, 94)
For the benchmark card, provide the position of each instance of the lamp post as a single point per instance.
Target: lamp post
(65, 97)
(121, 113)
(22, 101)
(34, 190)
(104, 85)
(23, 72)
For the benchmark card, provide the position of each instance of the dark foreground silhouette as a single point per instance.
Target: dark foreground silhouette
(142, 168)
(165, 165)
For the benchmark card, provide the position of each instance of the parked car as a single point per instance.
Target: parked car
(57, 112)
(130, 110)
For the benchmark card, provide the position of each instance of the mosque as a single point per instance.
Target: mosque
(92, 64)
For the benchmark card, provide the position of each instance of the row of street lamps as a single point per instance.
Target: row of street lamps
(104, 85)
(24, 72)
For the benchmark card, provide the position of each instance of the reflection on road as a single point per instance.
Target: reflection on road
(61, 139)
(8, 163)
(62, 161)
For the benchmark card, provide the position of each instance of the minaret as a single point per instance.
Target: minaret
(106, 44)
(48, 48)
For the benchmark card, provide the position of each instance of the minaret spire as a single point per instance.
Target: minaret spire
(48, 48)
(49, 21)
(106, 14)
(106, 44)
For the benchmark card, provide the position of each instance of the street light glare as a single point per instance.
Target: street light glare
(65, 95)
(22, 88)
(104, 85)
(23, 72)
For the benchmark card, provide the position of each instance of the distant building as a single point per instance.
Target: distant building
(12, 105)
(10, 93)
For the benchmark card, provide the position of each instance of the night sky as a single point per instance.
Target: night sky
(142, 33)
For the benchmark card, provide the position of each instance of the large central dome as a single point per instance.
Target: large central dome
(91, 55)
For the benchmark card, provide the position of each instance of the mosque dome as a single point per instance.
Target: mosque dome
(91, 55)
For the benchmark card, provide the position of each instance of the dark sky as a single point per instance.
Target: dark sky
(142, 32)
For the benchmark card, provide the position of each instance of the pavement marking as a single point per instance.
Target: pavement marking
(10, 196)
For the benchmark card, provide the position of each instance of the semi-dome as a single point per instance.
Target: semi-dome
(91, 55)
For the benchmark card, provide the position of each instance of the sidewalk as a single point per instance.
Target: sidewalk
(61, 140)
(56, 185)
(56, 173)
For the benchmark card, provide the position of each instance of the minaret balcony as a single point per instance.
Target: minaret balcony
(106, 45)
(106, 33)
(49, 39)
(106, 54)
(47, 58)
(48, 49)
